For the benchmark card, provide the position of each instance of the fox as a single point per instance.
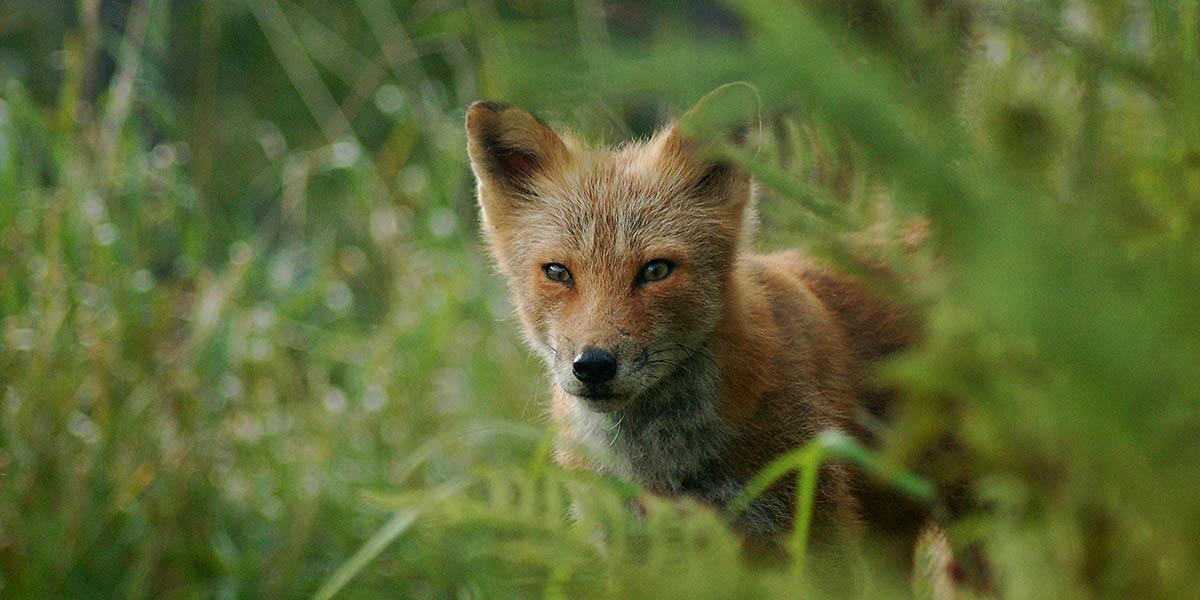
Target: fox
(682, 358)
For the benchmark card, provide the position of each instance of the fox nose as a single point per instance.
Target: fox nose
(594, 366)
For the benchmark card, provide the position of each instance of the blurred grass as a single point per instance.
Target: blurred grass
(245, 320)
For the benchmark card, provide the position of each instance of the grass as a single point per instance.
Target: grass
(250, 346)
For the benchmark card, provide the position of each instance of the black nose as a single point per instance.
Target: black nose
(594, 366)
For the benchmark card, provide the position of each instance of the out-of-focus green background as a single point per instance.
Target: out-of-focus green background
(250, 345)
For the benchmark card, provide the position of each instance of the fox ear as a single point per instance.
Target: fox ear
(701, 138)
(508, 146)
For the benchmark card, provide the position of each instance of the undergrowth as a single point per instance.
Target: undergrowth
(250, 346)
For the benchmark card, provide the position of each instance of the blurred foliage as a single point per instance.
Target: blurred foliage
(250, 347)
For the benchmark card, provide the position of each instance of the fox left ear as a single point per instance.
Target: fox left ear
(508, 146)
(700, 140)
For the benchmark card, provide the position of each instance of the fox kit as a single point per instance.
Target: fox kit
(676, 350)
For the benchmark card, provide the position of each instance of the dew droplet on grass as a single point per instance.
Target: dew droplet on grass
(338, 297)
(442, 223)
(231, 386)
(105, 234)
(93, 207)
(240, 253)
(344, 153)
(390, 99)
(414, 180)
(162, 156)
(142, 281)
(83, 427)
(335, 400)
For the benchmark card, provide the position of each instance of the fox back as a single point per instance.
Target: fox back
(668, 340)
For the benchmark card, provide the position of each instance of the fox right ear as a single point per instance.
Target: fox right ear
(723, 116)
(699, 139)
(509, 146)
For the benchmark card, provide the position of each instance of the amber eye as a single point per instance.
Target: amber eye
(656, 270)
(557, 272)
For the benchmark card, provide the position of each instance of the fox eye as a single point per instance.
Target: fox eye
(656, 270)
(557, 272)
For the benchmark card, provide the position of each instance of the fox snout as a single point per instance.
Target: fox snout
(596, 374)
(594, 366)
(607, 377)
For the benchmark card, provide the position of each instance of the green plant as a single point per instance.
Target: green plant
(246, 330)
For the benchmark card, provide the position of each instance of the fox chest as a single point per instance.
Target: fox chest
(676, 449)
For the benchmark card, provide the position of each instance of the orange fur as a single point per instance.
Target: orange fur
(728, 362)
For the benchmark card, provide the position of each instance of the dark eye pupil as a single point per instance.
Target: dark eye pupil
(557, 272)
(655, 270)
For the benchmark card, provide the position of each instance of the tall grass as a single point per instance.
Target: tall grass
(250, 347)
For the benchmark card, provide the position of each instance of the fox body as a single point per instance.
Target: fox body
(686, 359)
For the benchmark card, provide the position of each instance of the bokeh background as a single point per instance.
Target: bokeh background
(250, 346)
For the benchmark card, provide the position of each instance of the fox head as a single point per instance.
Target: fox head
(619, 260)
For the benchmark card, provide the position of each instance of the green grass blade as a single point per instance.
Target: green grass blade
(398, 524)
(806, 493)
(895, 476)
